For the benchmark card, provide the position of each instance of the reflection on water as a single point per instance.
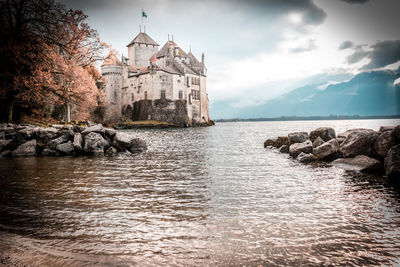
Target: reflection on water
(203, 196)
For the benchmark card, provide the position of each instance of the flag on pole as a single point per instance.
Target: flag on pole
(144, 15)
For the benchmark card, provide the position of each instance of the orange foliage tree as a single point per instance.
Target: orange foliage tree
(47, 60)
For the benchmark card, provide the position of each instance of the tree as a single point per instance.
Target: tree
(47, 59)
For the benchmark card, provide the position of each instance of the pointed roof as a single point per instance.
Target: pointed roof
(194, 62)
(112, 59)
(170, 44)
(143, 38)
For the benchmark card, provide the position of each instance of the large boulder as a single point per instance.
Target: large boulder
(392, 163)
(122, 141)
(306, 158)
(359, 163)
(383, 129)
(137, 145)
(277, 142)
(65, 148)
(327, 149)
(298, 137)
(59, 140)
(284, 149)
(317, 142)
(269, 142)
(26, 149)
(110, 132)
(383, 143)
(326, 134)
(78, 142)
(26, 133)
(94, 143)
(47, 133)
(297, 148)
(358, 142)
(98, 128)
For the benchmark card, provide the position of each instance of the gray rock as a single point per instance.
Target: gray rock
(358, 142)
(110, 132)
(327, 149)
(78, 142)
(26, 149)
(359, 163)
(383, 129)
(26, 134)
(340, 139)
(57, 126)
(317, 142)
(65, 148)
(346, 133)
(49, 152)
(298, 137)
(98, 128)
(59, 140)
(5, 144)
(306, 158)
(326, 134)
(392, 163)
(122, 141)
(284, 149)
(94, 143)
(47, 132)
(67, 130)
(297, 148)
(111, 151)
(137, 145)
(383, 143)
(270, 142)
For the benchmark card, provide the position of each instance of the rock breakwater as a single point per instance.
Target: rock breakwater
(65, 140)
(362, 150)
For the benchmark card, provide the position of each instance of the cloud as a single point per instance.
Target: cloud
(359, 54)
(306, 48)
(384, 53)
(355, 1)
(345, 45)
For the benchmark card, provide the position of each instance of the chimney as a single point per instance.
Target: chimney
(202, 58)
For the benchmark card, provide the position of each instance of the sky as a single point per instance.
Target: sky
(256, 50)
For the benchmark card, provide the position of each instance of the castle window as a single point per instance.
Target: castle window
(145, 95)
(138, 89)
(190, 98)
(162, 94)
(115, 96)
(180, 95)
(132, 98)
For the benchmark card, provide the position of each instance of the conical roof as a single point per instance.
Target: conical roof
(194, 62)
(143, 38)
(112, 60)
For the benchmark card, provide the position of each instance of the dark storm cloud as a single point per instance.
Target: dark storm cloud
(384, 53)
(355, 1)
(345, 45)
(381, 54)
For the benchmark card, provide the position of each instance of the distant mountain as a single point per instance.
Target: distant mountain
(366, 94)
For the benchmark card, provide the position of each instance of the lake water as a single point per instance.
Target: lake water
(198, 197)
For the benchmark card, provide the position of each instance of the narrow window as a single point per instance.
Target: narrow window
(180, 95)
(132, 98)
(162, 94)
(190, 98)
(145, 95)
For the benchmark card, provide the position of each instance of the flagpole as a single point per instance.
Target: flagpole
(142, 19)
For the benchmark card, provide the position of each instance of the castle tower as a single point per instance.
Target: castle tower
(141, 49)
(111, 69)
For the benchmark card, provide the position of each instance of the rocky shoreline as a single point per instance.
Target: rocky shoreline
(361, 150)
(65, 140)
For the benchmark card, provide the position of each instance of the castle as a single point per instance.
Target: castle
(151, 84)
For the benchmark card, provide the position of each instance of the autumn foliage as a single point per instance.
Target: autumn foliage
(47, 57)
